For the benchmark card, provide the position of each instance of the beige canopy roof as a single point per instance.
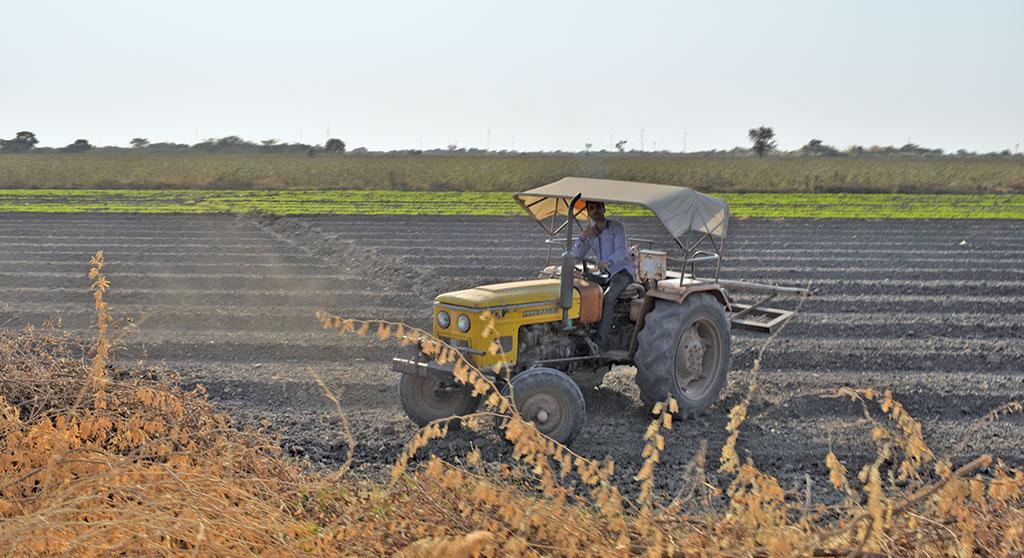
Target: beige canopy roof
(680, 209)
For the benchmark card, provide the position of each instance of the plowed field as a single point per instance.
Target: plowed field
(932, 310)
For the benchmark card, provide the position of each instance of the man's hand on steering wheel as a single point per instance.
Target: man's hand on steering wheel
(589, 232)
(588, 265)
(594, 271)
(583, 264)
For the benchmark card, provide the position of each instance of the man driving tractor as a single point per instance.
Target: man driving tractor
(606, 239)
(677, 331)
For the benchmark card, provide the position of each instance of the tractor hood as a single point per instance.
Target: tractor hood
(505, 294)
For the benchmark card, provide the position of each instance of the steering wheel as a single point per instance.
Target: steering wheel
(594, 275)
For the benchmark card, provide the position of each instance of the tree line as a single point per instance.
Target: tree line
(762, 141)
(26, 141)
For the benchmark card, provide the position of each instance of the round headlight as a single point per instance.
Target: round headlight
(443, 320)
(463, 323)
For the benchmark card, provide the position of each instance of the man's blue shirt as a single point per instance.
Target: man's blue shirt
(609, 245)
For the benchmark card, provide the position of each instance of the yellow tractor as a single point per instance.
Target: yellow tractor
(672, 325)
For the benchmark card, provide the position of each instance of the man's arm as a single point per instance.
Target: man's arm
(582, 244)
(620, 249)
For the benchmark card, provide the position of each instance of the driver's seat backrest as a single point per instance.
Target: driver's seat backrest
(632, 290)
(634, 254)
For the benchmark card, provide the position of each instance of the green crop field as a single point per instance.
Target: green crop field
(398, 202)
(489, 173)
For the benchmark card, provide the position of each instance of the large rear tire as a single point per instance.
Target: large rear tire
(551, 400)
(685, 350)
(428, 399)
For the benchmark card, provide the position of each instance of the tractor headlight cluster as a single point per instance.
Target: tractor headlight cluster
(463, 323)
(443, 319)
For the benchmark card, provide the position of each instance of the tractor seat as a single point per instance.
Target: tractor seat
(633, 290)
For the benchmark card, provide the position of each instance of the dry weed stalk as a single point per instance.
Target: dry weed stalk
(97, 370)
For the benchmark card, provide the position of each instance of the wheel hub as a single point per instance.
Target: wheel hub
(691, 352)
(544, 410)
(443, 390)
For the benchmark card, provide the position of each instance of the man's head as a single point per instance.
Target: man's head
(595, 210)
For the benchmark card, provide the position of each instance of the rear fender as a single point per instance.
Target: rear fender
(677, 297)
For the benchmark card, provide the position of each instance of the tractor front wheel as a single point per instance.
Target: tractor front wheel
(685, 350)
(426, 399)
(550, 400)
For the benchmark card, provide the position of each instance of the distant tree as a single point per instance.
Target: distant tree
(816, 147)
(23, 141)
(453, 146)
(139, 143)
(855, 150)
(167, 147)
(763, 139)
(272, 145)
(79, 146)
(620, 145)
(226, 144)
(914, 149)
(588, 145)
(334, 145)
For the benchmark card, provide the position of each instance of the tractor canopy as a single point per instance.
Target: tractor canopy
(680, 209)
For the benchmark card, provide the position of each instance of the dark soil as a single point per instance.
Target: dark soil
(931, 310)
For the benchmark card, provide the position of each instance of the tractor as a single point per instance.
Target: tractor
(674, 326)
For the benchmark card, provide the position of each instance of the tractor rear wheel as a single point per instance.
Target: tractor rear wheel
(685, 350)
(428, 399)
(551, 401)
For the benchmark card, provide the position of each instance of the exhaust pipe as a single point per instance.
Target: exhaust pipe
(567, 273)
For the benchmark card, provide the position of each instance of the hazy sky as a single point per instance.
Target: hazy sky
(539, 75)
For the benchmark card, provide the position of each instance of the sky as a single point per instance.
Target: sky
(524, 75)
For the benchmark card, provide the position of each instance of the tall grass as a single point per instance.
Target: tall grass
(157, 471)
(512, 172)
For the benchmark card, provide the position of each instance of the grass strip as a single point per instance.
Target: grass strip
(396, 202)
